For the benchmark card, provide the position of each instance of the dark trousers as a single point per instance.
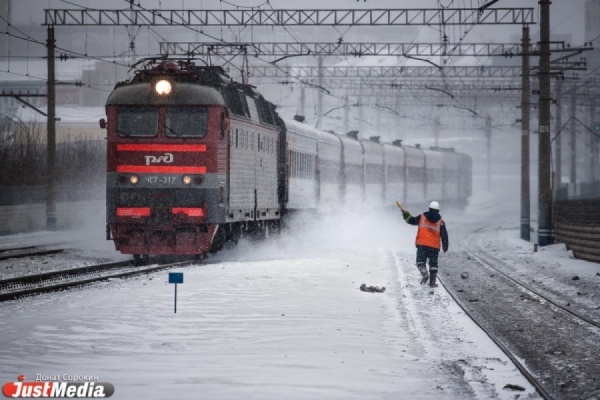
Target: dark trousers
(425, 253)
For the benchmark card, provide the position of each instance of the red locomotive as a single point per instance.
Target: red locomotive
(194, 159)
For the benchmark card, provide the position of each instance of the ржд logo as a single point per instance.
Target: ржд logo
(167, 158)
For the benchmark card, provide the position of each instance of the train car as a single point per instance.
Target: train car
(329, 172)
(414, 176)
(394, 186)
(252, 159)
(434, 166)
(195, 159)
(302, 166)
(373, 165)
(450, 176)
(464, 180)
(353, 177)
(192, 158)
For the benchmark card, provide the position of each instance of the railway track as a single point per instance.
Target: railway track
(488, 262)
(17, 249)
(547, 335)
(505, 349)
(24, 252)
(14, 288)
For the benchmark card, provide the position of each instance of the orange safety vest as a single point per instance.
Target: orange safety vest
(429, 232)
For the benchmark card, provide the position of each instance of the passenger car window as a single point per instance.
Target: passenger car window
(137, 121)
(186, 122)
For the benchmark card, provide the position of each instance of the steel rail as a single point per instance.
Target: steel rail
(31, 254)
(29, 280)
(17, 249)
(528, 375)
(575, 314)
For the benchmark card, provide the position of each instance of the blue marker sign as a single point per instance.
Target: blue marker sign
(175, 277)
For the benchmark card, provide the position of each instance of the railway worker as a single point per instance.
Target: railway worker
(432, 230)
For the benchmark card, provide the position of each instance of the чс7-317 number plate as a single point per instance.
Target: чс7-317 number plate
(161, 179)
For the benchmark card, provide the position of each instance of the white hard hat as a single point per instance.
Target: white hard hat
(434, 205)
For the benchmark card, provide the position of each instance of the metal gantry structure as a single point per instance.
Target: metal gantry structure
(379, 72)
(355, 49)
(290, 17)
(411, 77)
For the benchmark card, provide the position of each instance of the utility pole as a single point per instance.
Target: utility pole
(320, 95)
(302, 100)
(544, 145)
(525, 111)
(573, 144)
(557, 137)
(346, 115)
(593, 143)
(361, 117)
(488, 136)
(436, 130)
(51, 140)
(378, 126)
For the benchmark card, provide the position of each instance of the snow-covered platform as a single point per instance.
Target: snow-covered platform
(268, 320)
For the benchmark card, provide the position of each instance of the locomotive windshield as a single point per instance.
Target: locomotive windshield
(186, 122)
(137, 121)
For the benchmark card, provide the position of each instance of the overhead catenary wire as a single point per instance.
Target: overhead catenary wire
(246, 7)
(32, 40)
(591, 131)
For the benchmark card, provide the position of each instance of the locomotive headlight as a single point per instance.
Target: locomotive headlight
(134, 179)
(187, 179)
(163, 87)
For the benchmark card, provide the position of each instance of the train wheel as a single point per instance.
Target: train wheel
(235, 233)
(137, 259)
(219, 240)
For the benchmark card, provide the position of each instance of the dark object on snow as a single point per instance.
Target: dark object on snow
(372, 289)
(514, 387)
(464, 275)
(566, 385)
(575, 278)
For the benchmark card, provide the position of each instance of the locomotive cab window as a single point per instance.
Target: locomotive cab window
(137, 121)
(186, 122)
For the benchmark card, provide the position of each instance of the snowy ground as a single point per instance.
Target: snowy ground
(282, 319)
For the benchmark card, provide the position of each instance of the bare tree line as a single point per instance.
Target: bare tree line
(23, 155)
